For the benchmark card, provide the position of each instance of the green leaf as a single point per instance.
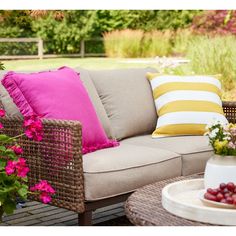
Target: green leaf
(3, 163)
(7, 190)
(9, 206)
(23, 191)
(9, 153)
(25, 179)
(17, 184)
(2, 148)
(8, 180)
(4, 138)
(3, 198)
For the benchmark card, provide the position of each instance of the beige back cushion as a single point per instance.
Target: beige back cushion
(100, 110)
(127, 97)
(12, 110)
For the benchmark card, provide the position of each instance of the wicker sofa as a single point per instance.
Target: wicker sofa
(124, 105)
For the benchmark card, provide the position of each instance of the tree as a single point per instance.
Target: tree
(65, 35)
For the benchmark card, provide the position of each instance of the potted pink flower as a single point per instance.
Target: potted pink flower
(14, 168)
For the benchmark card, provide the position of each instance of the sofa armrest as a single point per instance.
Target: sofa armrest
(230, 111)
(57, 158)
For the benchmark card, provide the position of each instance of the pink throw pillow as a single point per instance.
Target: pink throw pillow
(58, 94)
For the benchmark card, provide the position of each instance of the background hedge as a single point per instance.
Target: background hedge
(64, 35)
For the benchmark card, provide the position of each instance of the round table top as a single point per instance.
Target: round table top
(144, 206)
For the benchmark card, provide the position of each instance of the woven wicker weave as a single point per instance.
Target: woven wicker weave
(144, 207)
(58, 157)
(230, 111)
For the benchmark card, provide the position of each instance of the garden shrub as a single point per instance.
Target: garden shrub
(64, 36)
(157, 43)
(15, 48)
(214, 55)
(125, 43)
(181, 41)
(216, 22)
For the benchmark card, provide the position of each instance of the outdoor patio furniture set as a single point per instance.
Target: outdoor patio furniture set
(124, 104)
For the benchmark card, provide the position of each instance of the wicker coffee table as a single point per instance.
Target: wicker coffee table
(144, 206)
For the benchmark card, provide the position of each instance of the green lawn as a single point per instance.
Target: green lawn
(88, 63)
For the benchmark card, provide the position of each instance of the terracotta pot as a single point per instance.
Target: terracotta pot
(220, 169)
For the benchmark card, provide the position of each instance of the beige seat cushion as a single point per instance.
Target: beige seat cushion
(127, 97)
(195, 150)
(114, 171)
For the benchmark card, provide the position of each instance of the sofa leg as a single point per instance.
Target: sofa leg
(85, 219)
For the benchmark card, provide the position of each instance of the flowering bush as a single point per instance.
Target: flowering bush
(222, 138)
(14, 168)
(221, 22)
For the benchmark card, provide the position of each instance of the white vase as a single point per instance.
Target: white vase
(220, 169)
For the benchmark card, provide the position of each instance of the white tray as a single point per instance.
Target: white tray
(182, 199)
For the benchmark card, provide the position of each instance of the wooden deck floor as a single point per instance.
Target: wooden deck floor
(36, 214)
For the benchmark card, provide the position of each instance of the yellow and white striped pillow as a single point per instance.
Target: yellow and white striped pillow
(185, 104)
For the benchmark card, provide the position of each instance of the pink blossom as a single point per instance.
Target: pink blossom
(33, 128)
(2, 113)
(45, 198)
(1, 126)
(17, 149)
(43, 186)
(46, 190)
(10, 167)
(17, 167)
(22, 168)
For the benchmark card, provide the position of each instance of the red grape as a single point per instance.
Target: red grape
(212, 191)
(222, 186)
(230, 186)
(226, 195)
(225, 190)
(223, 201)
(210, 197)
(219, 197)
(218, 190)
(229, 200)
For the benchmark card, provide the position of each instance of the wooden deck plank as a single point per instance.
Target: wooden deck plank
(35, 216)
(16, 216)
(110, 207)
(35, 213)
(40, 210)
(60, 214)
(106, 218)
(28, 223)
(107, 213)
(31, 203)
(65, 218)
(30, 208)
